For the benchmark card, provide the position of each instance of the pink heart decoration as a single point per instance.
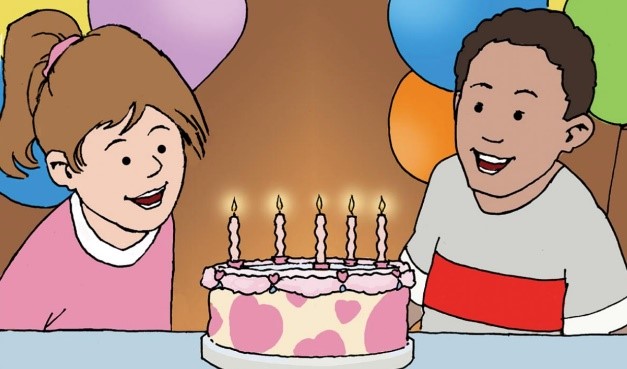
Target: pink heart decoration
(327, 343)
(396, 273)
(219, 275)
(215, 321)
(342, 275)
(255, 328)
(384, 332)
(295, 299)
(347, 310)
(274, 278)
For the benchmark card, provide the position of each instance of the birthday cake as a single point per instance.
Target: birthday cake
(292, 314)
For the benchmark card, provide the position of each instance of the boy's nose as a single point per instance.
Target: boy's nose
(492, 140)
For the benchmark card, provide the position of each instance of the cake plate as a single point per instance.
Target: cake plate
(225, 358)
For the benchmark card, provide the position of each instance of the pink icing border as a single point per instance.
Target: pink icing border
(298, 276)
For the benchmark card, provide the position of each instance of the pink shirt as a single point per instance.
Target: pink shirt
(58, 282)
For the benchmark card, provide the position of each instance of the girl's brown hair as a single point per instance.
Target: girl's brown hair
(96, 82)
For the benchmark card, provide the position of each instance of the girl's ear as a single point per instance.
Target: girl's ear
(60, 170)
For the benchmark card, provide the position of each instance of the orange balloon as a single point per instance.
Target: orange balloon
(422, 127)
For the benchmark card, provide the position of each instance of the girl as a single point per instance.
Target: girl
(114, 117)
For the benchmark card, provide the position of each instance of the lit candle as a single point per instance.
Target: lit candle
(321, 237)
(351, 222)
(234, 237)
(382, 236)
(279, 233)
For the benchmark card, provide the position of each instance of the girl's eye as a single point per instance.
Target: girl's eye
(126, 160)
(479, 107)
(518, 115)
(161, 149)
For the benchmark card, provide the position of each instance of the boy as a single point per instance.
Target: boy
(509, 240)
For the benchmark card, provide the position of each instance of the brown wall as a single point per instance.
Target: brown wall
(618, 194)
(300, 107)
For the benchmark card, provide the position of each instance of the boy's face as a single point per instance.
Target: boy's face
(133, 178)
(510, 127)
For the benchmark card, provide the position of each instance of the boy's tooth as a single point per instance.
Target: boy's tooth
(491, 159)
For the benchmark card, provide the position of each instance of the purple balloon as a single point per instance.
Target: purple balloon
(195, 34)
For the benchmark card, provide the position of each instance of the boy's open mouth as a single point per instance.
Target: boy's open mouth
(150, 199)
(490, 164)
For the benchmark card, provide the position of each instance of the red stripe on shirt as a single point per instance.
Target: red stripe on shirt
(495, 299)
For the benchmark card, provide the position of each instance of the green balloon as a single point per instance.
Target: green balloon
(604, 22)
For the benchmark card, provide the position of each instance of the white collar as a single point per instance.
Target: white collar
(101, 250)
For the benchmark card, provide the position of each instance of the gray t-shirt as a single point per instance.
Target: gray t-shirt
(562, 234)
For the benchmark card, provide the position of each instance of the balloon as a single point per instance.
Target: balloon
(604, 26)
(13, 10)
(195, 34)
(557, 5)
(429, 33)
(36, 190)
(422, 127)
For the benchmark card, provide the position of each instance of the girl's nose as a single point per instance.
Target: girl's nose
(157, 169)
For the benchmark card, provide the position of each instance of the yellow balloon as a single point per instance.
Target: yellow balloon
(13, 10)
(558, 5)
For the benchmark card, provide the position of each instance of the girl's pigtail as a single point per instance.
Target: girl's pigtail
(26, 50)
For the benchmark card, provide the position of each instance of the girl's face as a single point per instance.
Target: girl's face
(133, 178)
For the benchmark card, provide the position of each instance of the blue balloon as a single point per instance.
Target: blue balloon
(37, 189)
(429, 33)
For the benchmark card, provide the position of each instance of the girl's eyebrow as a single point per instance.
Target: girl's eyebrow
(114, 142)
(160, 126)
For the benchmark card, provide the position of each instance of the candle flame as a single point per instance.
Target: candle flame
(234, 206)
(279, 203)
(319, 203)
(381, 205)
(351, 205)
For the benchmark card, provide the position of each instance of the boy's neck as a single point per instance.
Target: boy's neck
(499, 205)
(109, 232)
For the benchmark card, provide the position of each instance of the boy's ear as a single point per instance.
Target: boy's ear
(456, 97)
(60, 171)
(580, 129)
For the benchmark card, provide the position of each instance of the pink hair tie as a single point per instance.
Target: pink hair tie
(57, 50)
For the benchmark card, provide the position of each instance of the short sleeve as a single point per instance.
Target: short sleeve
(596, 278)
(419, 250)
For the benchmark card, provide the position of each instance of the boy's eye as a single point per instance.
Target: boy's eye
(479, 107)
(518, 115)
(126, 160)
(161, 149)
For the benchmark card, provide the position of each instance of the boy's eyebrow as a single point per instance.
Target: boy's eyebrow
(525, 91)
(114, 142)
(160, 126)
(482, 84)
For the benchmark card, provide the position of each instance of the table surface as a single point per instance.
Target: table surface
(106, 349)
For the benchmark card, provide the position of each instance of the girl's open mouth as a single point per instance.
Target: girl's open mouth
(148, 200)
(489, 164)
